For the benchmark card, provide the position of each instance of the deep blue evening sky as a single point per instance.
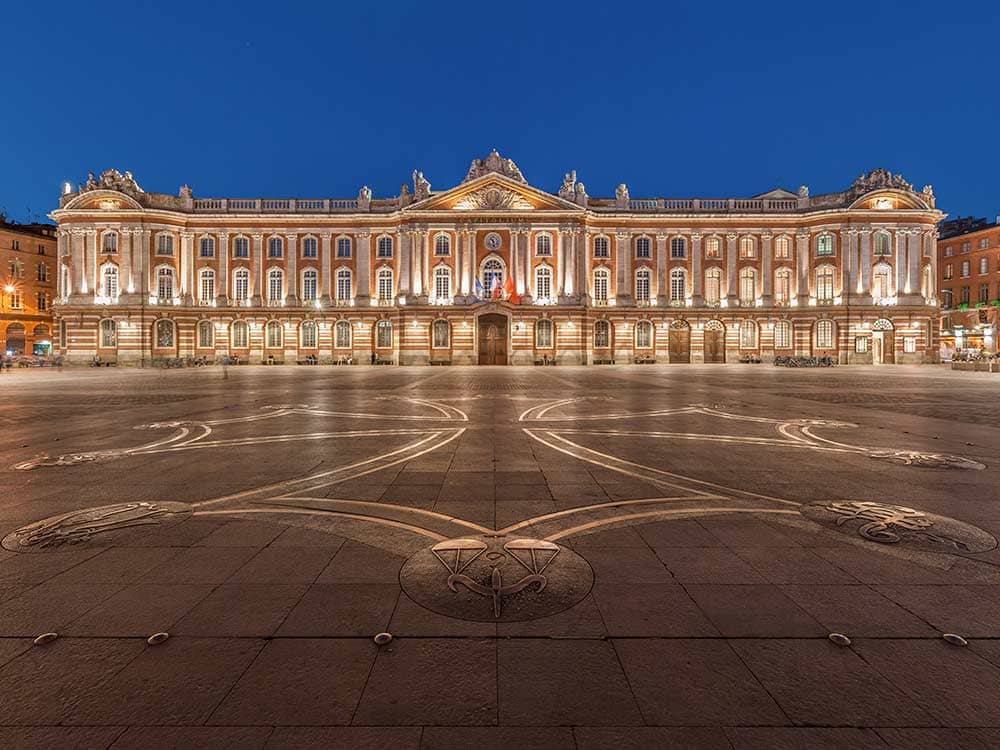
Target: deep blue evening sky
(312, 99)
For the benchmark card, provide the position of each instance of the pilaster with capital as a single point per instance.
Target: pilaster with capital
(324, 272)
(767, 277)
(899, 260)
(79, 281)
(802, 268)
(568, 267)
(257, 277)
(849, 262)
(582, 266)
(405, 264)
(560, 263)
(362, 295)
(92, 271)
(865, 283)
(425, 267)
(125, 265)
(140, 260)
(187, 268)
(660, 291)
(930, 252)
(222, 298)
(291, 288)
(731, 277)
(623, 264)
(697, 286)
(523, 252)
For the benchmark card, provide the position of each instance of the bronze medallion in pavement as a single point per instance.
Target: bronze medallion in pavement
(496, 578)
(897, 524)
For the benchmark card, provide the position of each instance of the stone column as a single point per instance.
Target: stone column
(403, 285)
(460, 266)
(569, 260)
(363, 290)
(126, 284)
(426, 256)
(187, 268)
(899, 261)
(767, 276)
(731, 277)
(930, 238)
(845, 262)
(292, 287)
(325, 290)
(582, 267)
(92, 271)
(697, 285)
(79, 274)
(623, 251)
(802, 268)
(471, 260)
(913, 251)
(222, 296)
(257, 274)
(525, 256)
(865, 284)
(849, 257)
(560, 263)
(140, 260)
(660, 292)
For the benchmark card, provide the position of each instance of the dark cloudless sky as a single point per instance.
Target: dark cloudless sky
(313, 99)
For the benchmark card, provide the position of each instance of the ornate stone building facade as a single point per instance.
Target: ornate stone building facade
(496, 271)
(27, 288)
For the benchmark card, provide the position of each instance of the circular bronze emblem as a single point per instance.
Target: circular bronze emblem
(496, 578)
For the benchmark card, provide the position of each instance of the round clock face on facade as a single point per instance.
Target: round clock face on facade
(493, 241)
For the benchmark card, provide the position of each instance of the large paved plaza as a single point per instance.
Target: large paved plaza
(609, 557)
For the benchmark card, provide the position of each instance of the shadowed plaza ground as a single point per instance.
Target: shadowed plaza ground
(565, 557)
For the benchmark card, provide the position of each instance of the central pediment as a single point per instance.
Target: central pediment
(493, 192)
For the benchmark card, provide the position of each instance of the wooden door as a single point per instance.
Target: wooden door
(888, 348)
(680, 345)
(715, 345)
(493, 340)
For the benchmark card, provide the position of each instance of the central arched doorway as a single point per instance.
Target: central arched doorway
(883, 344)
(715, 341)
(493, 339)
(680, 342)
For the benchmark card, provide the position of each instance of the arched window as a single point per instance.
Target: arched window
(275, 247)
(273, 334)
(240, 335)
(309, 285)
(109, 334)
(601, 247)
(678, 285)
(543, 334)
(165, 283)
(678, 247)
(383, 281)
(241, 284)
(824, 334)
(441, 334)
(383, 334)
(782, 335)
(881, 244)
(642, 285)
(543, 284)
(110, 242)
(543, 245)
(109, 281)
(206, 285)
(164, 333)
(309, 247)
(782, 286)
(602, 282)
(342, 335)
(206, 248)
(642, 247)
(782, 248)
(442, 245)
(344, 285)
(824, 285)
(384, 246)
(643, 335)
(15, 338)
(602, 334)
(275, 285)
(748, 248)
(748, 287)
(442, 284)
(492, 275)
(206, 334)
(748, 335)
(307, 335)
(713, 286)
(824, 244)
(713, 247)
(241, 247)
(343, 247)
(880, 282)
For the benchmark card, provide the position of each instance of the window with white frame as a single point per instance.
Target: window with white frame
(241, 284)
(984, 265)
(949, 272)
(881, 244)
(275, 247)
(713, 286)
(824, 244)
(275, 285)
(601, 284)
(241, 247)
(642, 285)
(909, 344)
(164, 244)
(602, 334)
(442, 245)
(748, 335)
(206, 285)
(164, 333)
(543, 245)
(383, 334)
(307, 335)
(384, 246)
(748, 248)
(273, 334)
(543, 334)
(41, 272)
(644, 335)
(343, 247)
(713, 247)
(16, 301)
(206, 334)
(824, 284)
(383, 284)
(678, 285)
(109, 334)
(748, 287)
(109, 281)
(342, 335)
(642, 247)
(165, 282)
(965, 269)
(240, 335)
(782, 335)
(206, 248)
(782, 248)
(310, 285)
(344, 285)
(601, 247)
(824, 334)
(442, 284)
(543, 284)
(110, 242)
(441, 334)
(678, 247)
(782, 286)
(310, 248)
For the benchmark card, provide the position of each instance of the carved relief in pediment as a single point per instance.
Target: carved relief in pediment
(494, 199)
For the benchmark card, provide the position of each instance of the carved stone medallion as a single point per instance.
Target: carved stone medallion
(96, 526)
(897, 524)
(496, 578)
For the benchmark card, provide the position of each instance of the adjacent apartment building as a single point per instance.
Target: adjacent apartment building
(496, 271)
(969, 283)
(27, 287)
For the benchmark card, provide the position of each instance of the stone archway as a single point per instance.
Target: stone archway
(715, 342)
(680, 342)
(883, 342)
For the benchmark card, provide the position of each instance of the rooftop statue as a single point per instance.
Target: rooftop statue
(494, 163)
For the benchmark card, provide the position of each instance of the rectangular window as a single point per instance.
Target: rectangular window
(543, 285)
(309, 286)
(984, 265)
(678, 247)
(16, 302)
(782, 248)
(984, 292)
(42, 272)
(164, 244)
(642, 247)
(15, 244)
(241, 247)
(344, 247)
(949, 272)
(965, 295)
(966, 246)
(601, 247)
(909, 344)
(861, 344)
(41, 301)
(601, 287)
(207, 248)
(309, 247)
(949, 251)
(713, 248)
(984, 242)
(783, 335)
(41, 249)
(965, 269)
(642, 287)
(207, 288)
(343, 286)
(442, 285)
(824, 286)
(824, 244)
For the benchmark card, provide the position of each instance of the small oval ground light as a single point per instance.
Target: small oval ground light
(383, 638)
(955, 640)
(157, 638)
(840, 639)
(45, 638)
